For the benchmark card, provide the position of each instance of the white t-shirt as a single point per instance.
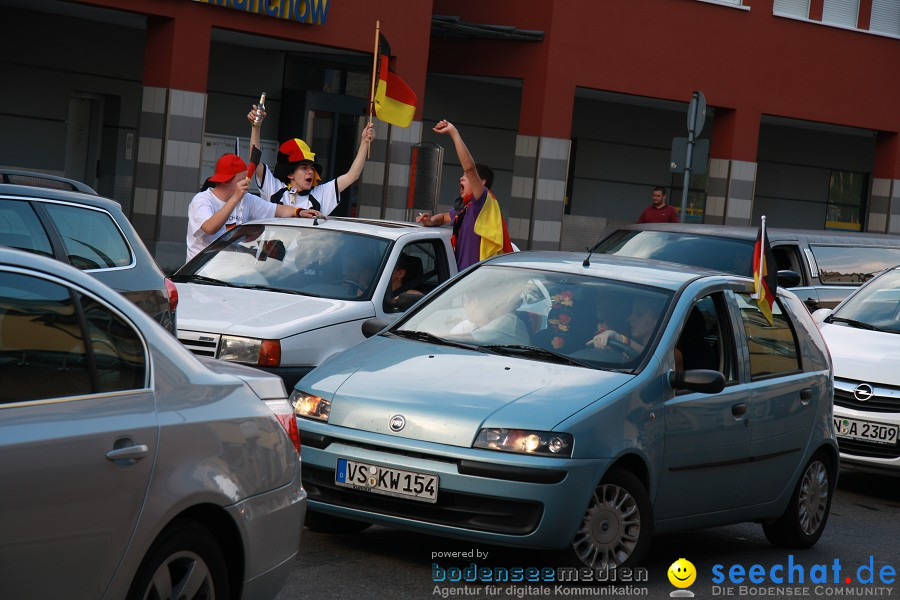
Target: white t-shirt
(205, 204)
(326, 194)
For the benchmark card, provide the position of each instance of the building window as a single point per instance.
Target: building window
(885, 17)
(846, 200)
(792, 8)
(840, 12)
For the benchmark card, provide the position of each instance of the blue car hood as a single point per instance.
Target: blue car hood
(447, 394)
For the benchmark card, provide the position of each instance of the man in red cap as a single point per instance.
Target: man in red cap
(297, 175)
(227, 203)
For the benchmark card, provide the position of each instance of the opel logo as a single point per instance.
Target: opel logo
(863, 392)
(398, 422)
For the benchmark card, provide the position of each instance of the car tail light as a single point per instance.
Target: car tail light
(269, 353)
(285, 415)
(173, 294)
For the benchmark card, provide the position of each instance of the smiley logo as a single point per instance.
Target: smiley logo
(682, 573)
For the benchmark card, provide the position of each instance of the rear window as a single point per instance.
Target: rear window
(719, 253)
(20, 228)
(91, 237)
(852, 264)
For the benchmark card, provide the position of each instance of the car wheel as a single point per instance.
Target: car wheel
(330, 524)
(186, 562)
(617, 525)
(804, 519)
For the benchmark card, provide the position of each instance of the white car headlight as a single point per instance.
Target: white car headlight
(251, 351)
(310, 406)
(524, 441)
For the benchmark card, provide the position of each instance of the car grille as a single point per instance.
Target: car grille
(204, 344)
(865, 449)
(884, 399)
(455, 509)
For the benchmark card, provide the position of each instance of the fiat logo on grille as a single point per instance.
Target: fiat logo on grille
(398, 422)
(863, 392)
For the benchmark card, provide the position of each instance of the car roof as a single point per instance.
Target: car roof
(42, 193)
(774, 234)
(392, 230)
(643, 271)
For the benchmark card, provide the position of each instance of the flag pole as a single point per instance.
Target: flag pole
(374, 74)
(757, 273)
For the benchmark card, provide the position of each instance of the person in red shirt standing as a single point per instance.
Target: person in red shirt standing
(659, 211)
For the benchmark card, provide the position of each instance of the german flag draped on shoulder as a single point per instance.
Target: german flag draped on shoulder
(765, 273)
(492, 229)
(394, 101)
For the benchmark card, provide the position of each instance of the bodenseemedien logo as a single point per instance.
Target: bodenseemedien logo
(682, 574)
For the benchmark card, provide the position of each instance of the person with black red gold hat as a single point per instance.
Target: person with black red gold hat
(296, 180)
(226, 204)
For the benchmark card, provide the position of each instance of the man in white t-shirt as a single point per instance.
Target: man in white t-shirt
(215, 210)
(296, 180)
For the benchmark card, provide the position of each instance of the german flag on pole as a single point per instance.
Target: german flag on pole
(395, 102)
(765, 274)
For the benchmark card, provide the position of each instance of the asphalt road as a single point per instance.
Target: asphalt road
(386, 564)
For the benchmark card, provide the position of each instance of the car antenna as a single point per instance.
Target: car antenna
(316, 221)
(587, 261)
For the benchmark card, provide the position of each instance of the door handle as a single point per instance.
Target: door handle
(805, 396)
(739, 410)
(135, 452)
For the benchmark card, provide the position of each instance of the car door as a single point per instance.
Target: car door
(707, 440)
(782, 405)
(78, 434)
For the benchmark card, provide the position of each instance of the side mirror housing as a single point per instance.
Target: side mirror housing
(704, 381)
(820, 315)
(788, 278)
(372, 326)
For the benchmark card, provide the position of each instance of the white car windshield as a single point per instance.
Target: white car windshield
(874, 306)
(544, 315)
(303, 260)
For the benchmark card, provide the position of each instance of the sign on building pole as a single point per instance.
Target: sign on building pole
(696, 118)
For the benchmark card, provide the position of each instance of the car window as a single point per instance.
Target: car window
(42, 343)
(21, 228)
(719, 253)
(308, 260)
(42, 350)
(117, 348)
(876, 304)
(852, 264)
(706, 341)
(91, 237)
(787, 257)
(526, 311)
(773, 348)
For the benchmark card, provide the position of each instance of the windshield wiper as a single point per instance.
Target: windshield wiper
(424, 336)
(534, 352)
(851, 323)
(202, 279)
(269, 288)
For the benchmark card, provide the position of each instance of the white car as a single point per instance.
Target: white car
(283, 295)
(863, 335)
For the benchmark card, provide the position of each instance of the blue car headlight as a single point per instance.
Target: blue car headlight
(524, 441)
(310, 406)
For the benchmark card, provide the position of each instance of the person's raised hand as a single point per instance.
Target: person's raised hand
(443, 127)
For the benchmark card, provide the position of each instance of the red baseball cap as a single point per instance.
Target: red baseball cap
(227, 167)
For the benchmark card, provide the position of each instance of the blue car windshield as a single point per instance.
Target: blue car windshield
(876, 304)
(314, 261)
(546, 315)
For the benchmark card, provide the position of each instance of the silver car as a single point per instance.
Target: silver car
(129, 467)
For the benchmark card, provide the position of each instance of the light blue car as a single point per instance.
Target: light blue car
(547, 401)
